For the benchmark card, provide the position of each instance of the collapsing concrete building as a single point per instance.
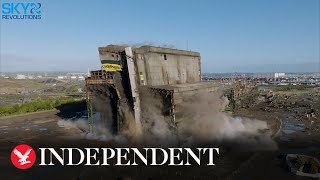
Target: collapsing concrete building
(127, 74)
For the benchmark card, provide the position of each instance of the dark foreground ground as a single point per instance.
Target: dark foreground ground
(42, 130)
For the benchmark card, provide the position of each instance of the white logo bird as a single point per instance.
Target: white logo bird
(22, 158)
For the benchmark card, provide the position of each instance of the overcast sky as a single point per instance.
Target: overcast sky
(231, 35)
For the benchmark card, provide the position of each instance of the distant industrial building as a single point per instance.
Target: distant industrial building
(21, 76)
(268, 75)
(278, 75)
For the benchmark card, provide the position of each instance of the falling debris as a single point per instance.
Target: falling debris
(155, 95)
(117, 91)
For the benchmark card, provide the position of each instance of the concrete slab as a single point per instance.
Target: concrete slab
(187, 87)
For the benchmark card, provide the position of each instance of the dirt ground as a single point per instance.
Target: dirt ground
(42, 130)
(293, 131)
(296, 115)
(17, 91)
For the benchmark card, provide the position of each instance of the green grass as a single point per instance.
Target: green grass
(35, 106)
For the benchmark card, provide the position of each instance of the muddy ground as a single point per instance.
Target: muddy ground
(294, 132)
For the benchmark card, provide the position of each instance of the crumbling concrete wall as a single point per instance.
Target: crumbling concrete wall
(151, 66)
(163, 66)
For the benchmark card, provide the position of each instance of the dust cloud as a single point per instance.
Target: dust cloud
(99, 132)
(103, 129)
(155, 124)
(200, 119)
(203, 120)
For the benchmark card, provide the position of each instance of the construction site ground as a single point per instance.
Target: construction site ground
(294, 131)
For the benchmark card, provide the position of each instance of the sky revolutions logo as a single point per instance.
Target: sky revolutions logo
(23, 156)
(21, 10)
